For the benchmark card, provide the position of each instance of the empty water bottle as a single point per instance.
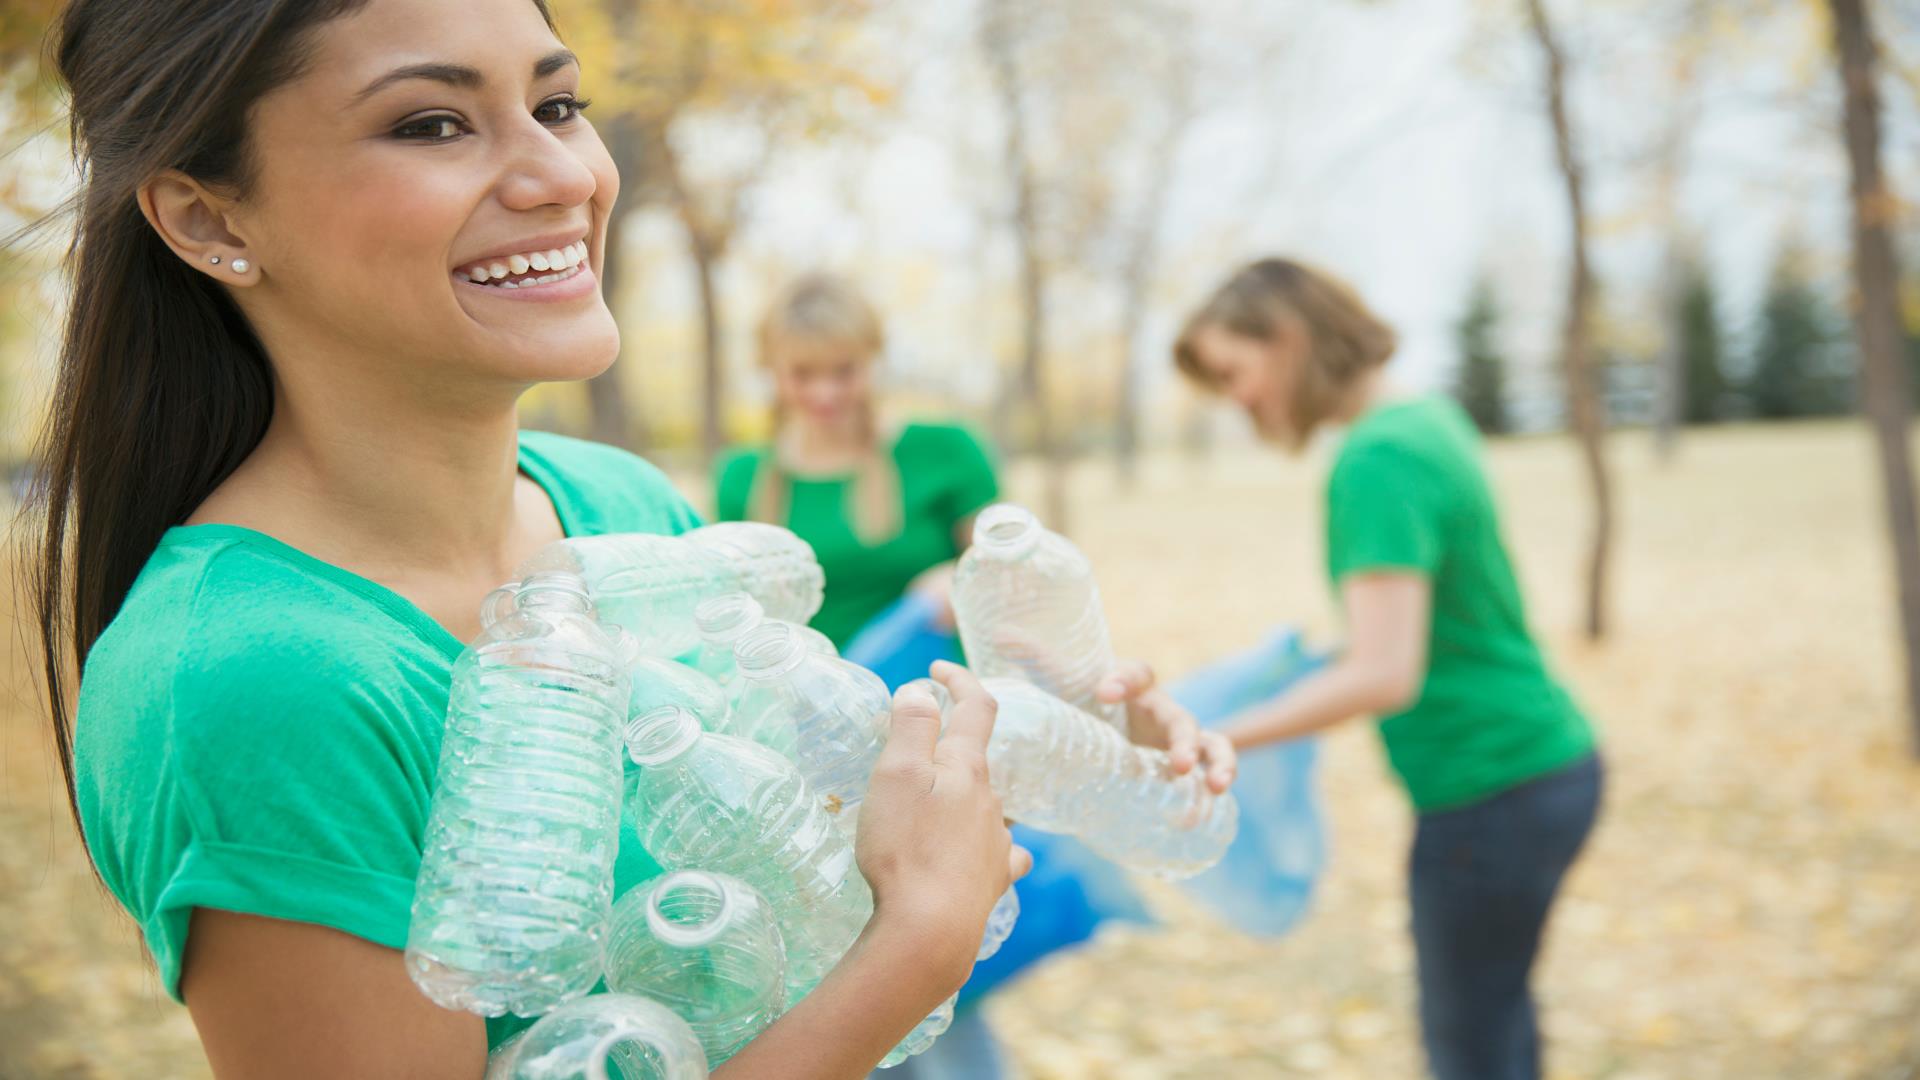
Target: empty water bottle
(658, 682)
(1000, 921)
(1027, 607)
(833, 714)
(651, 584)
(606, 1035)
(704, 945)
(735, 807)
(719, 803)
(1058, 769)
(923, 1035)
(723, 621)
(516, 872)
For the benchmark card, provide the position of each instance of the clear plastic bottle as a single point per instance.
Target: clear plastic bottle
(727, 805)
(516, 872)
(723, 621)
(1028, 608)
(923, 1035)
(1005, 913)
(706, 946)
(599, 1037)
(735, 807)
(1058, 769)
(777, 567)
(658, 682)
(834, 714)
(651, 584)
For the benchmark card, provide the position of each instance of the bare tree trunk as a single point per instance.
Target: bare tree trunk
(612, 420)
(999, 44)
(1877, 320)
(704, 249)
(1584, 404)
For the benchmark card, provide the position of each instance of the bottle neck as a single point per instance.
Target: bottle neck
(689, 908)
(661, 735)
(723, 620)
(769, 650)
(1006, 531)
(553, 590)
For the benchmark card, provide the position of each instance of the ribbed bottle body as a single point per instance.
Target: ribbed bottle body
(1028, 608)
(706, 946)
(516, 871)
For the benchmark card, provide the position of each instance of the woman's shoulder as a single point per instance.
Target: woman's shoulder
(604, 488)
(738, 463)
(733, 474)
(944, 442)
(220, 622)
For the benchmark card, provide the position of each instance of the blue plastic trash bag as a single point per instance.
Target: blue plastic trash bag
(902, 642)
(1264, 882)
(1063, 901)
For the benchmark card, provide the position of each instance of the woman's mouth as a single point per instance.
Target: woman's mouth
(528, 269)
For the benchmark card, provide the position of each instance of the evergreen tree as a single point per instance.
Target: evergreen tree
(1702, 347)
(1802, 366)
(1480, 380)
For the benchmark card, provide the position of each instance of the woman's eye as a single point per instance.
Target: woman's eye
(429, 129)
(560, 110)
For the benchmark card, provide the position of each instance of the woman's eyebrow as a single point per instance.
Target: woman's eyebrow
(459, 75)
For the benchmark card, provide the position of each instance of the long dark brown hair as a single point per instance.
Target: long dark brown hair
(163, 389)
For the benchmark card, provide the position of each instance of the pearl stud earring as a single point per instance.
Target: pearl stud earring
(241, 266)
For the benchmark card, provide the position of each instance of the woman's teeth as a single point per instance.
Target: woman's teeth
(531, 268)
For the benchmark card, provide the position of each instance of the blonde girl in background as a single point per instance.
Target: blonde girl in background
(886, 506)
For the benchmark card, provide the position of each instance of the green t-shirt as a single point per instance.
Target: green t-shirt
(1408, 493)
(259, 731)
(946, 475)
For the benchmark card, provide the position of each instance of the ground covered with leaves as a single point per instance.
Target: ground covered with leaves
(1748, 907)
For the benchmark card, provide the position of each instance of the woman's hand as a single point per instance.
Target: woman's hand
(932, 841)
(1155, 719)
(936, 584)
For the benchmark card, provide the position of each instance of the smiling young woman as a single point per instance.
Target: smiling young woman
(323, 247)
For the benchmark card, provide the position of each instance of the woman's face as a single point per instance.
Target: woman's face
(426, 194)
(827, 385)
(1258, 375)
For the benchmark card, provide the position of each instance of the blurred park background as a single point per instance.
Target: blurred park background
(1655, 246)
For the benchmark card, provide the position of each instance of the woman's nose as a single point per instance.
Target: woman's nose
(542, 170)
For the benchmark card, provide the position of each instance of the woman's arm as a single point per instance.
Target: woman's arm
(1389, 616)
(298, 1001)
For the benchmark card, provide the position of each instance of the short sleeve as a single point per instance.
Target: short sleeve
(603, 489)
(975, 483)
(305, 791)
(733, 484)
(1382, 514)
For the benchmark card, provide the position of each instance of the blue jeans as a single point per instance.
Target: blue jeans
(1482, 880)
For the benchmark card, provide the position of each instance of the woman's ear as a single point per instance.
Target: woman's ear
(198, 225)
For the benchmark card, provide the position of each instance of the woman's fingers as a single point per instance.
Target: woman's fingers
(1181, 729)
(916, 725)
(970, 720)
(1129, 679)
(1019, 863)
(1223, 762)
